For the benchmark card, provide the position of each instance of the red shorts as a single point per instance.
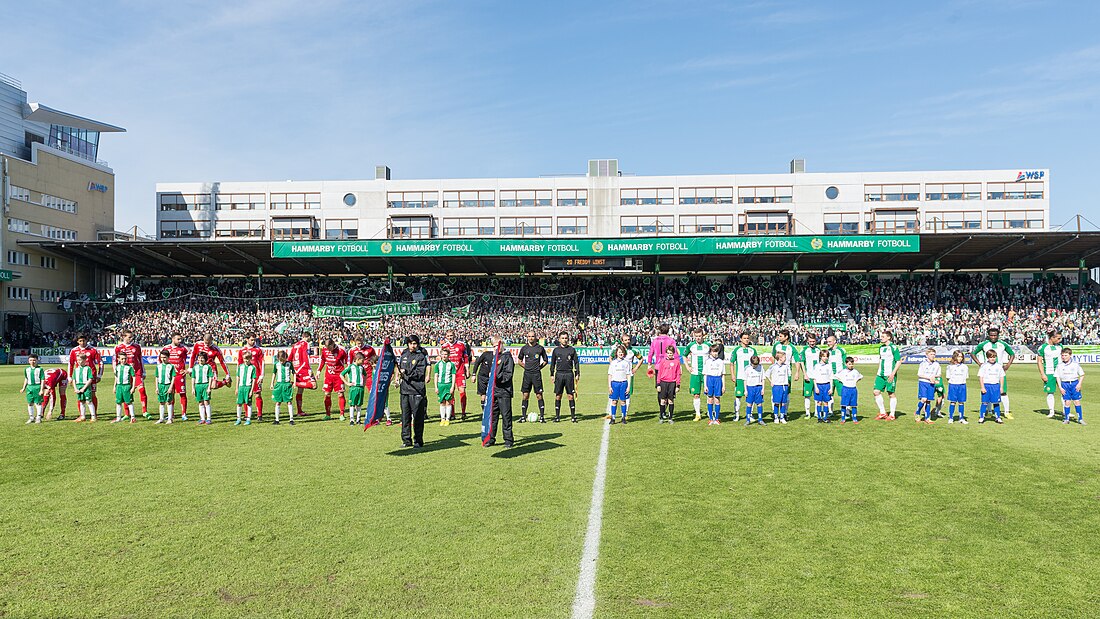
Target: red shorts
(460, 379)
(179, 385)
(332, 383)
(256, 388)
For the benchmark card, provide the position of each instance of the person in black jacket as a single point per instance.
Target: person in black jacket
(565, 367)
(481, 368)
(532, 358)
(414, 373)
(502, 395)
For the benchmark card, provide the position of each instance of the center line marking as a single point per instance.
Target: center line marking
(584, 602)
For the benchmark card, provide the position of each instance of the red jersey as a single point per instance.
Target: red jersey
(94, 359)
(130, 354)
(257, 359)
(214, 356)
(459, 355)
(55, 377)
(333, 362)
(177, 356)
(299, 357)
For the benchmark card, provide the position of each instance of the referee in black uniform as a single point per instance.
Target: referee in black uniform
(413, 370)
(532, 358)
(566, 370)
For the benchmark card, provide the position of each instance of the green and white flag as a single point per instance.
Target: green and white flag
(462, 312)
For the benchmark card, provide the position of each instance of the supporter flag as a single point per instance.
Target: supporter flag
(379, 389)
(462, 312)
(490, 394)
(281, 327)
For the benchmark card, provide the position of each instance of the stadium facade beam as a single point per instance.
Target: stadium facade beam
(266, 266)
(206, 258)
(437, 266)
(164, 259)
(841, 258)
(481, 265)
(1026, 257)
(943, 254)
(993, 252)
(699, 265)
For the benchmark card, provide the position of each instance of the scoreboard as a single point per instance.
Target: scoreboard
(605, 265)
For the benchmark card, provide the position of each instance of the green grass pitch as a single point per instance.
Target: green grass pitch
(324, 520)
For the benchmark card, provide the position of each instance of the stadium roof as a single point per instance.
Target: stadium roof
(1026, 251)
(49, 116)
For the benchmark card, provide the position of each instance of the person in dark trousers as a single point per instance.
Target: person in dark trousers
(414, 374)
(532, 358)
(502, 396)
(481, 368)
(566, 370)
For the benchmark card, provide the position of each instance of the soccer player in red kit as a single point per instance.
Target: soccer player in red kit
(332, 362)
(129, 353)
(461, 357)
(214, 358)
(177, 356)
(94, 360)
(257, 359)
(298, 356)
(55, 378)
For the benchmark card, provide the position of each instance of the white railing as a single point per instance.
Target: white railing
(76, 153)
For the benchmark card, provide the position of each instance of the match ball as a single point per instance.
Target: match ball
(532, 417)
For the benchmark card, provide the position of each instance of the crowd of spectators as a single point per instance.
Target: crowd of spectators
(949, 309)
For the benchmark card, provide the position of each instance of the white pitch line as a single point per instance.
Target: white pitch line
(584, 602)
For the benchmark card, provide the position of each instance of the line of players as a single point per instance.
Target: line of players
(829, 377)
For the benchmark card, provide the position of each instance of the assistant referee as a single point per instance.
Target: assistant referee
(566, 370)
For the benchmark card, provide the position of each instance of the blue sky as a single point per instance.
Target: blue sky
(326, 89)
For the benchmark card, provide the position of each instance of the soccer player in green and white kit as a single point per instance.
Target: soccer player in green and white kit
(889, 361)
(33, 377)
(445, 372)
(202, 373)
(697, 353)
(1005, 356)
(809, 357)
(837, 356)
(283, 378)
(741, 359)
(1048, 358)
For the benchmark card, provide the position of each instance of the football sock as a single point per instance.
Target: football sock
(169, 407)
(238, 413)
(1050, 403)
(881, 404)
(328, 404)
(144, 399)
(557, 408)
(697, 405)
(183, 405)
(523, 407)
(1004, 403)
(1077, 409)
(276, 411)
(893, 405)
(298, 402)
(572, 408)
(462, 401)
(717, 410)
(342, 401)
(1065, 411)
(260, 405)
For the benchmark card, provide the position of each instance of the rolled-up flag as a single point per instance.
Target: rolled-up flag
(490, 394)
(379, 389)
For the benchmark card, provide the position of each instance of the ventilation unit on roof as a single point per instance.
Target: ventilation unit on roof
(603, 167)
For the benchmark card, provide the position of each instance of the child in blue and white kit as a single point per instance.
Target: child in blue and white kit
(849, 394)
(823, 387)
(1070, 379)
(928, 374)
(618, 382)
(957, 375)
(779, 374)
(714, 377)
(991, 375)
(753, 375)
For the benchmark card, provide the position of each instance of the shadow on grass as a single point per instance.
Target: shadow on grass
(530, 445)
(447, 442)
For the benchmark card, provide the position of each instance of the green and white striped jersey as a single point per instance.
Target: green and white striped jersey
(246, 375)
(889, 356)
(810, 358)
(697, 353)
(202, 374)
(124, 375)
(788, 350)
(284, 372)
(445, 372)
(1003, 350)
(166, 373)
(353, 375)
(741, 356)
(1051, 354)
(836, 359)
(35, 376)
(82, 375)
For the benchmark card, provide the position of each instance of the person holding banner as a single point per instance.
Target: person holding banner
(499, 402)
(414, 373)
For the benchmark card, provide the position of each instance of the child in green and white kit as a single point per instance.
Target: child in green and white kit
(445, 372)
(33, 377)
(124, 392)
(353, 377)
(166, 380)
(282, 383)
(84, 385)
(201, 376)
(246, 381)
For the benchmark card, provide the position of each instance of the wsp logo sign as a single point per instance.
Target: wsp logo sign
(1033, 175)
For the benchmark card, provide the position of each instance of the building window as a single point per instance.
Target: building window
(646, 197)
(294, 228)
(953, 191)
(468, 199)
(58, 234)
(572, 197)
(535, 197)
(19, 225)
(184, 201)
(891, 193)
(51, 296)
(882, 221)
(935, 221)
(341, 229)
(1014, 191)
(526, 226)
(349, 199)
(226, 229)
(832, 192)
(19, 258)
(18, 293)
(842, 223)
(706, 224)
(189, 229)
(765, 223)
(411, 228)
(412, 199)
(240, 201)
(706, 195)
(469, 226)
(647, 224)
(47, 262)
(19, 193)
(765, 195)
(58, 204)
(572, 226)
(295, 201)
(1015, 220)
